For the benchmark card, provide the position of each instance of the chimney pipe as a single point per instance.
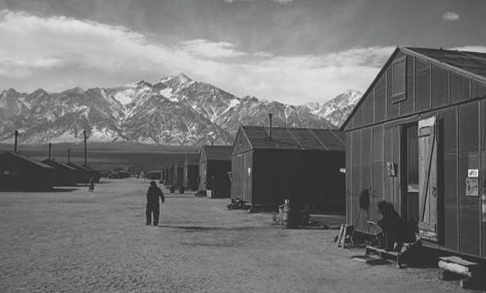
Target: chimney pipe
(16, 133)
(270, 126)
(50, 147)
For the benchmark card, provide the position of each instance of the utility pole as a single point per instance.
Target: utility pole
(85, 151)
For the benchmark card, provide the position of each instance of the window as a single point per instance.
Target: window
(398, 79)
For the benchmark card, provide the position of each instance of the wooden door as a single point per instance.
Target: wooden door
(427, 132)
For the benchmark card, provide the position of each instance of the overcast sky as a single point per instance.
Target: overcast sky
(293, 51)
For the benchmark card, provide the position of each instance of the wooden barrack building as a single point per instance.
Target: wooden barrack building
(214, 166)
(18, 173)
(417, 138)
(303, 165)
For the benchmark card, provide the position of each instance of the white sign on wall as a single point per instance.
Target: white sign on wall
(473, 173)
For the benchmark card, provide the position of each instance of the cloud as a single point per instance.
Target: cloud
(277, 1)
(204, 48)
(57, 53)
(31, 44)
(480, 49)
(450, 16)
(232, 1)
(300, 79)
(282, 1)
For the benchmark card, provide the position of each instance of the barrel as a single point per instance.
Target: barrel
(291, 215)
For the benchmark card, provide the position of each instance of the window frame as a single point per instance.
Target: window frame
(402, 95)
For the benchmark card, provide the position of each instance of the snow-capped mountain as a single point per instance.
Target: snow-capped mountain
(175, 110)
(337, 109)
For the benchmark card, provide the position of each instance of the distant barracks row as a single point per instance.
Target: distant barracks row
(19, 173)
(417, 138)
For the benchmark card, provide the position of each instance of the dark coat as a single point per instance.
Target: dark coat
(153, 195)
(395, 229)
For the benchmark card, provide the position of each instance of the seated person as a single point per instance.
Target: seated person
(396, 231)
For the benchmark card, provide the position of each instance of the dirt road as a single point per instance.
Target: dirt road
(78, 241)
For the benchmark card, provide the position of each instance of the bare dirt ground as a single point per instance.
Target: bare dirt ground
(78, 241)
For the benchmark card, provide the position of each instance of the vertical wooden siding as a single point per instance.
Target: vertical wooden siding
(241, 160)
(468, 159)
(366, 168)
(356, 177)
(482, 123)
(203, 166)
(241, 185)
(304, 177)
(448, 156)
(349, 178)
(378, 187)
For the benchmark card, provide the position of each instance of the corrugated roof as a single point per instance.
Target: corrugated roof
(28, 160)
(217, 152)
(472, 62)
(295, 138)
(77, 167)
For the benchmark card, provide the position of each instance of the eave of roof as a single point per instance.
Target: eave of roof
(29, 160)
(411, 51)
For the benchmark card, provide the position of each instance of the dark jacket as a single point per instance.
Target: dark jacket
(153, 195)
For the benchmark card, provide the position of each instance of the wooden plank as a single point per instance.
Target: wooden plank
(428, 177)
(458, 260)
(340, 236)
(455, 268)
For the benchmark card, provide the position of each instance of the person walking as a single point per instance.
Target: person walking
(91, 184)
(153, 207)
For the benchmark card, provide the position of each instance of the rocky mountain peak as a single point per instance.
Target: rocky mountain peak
(182, 78)
(141, 84)
(174, 111)
(337, 109)
(175, 80)
(77, 90)
(348, 97)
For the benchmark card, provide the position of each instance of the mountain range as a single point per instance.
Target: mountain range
(175, 110)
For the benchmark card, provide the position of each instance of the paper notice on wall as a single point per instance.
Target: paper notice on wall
(483, 201)
(472, 187)
(484, 207)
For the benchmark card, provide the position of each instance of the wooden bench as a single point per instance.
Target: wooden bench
(396, 256)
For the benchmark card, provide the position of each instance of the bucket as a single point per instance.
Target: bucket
(291, 215)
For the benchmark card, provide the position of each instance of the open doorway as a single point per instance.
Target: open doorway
(410, 173)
